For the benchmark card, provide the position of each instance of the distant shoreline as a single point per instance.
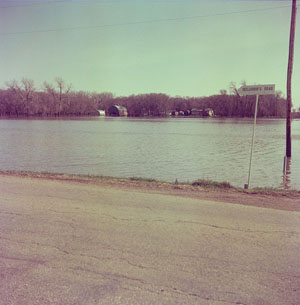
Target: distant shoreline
(22, 117)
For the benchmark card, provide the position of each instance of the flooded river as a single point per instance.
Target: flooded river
(166, 149)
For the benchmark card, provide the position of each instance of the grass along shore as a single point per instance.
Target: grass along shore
(198, 185)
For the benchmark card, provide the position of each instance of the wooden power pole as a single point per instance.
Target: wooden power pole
(289, 81)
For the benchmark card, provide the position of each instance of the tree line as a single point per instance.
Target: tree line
(21, 98)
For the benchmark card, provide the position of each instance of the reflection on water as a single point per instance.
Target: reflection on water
(286, 176)
(185, 149)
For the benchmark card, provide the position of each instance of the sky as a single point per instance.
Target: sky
(177, 47)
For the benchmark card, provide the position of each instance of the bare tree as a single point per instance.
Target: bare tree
(233, 89)
(63, 91)
(24, 91)
(59, 93)
(28, 87)
(50, 98)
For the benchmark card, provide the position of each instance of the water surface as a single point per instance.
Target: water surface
(166, 149)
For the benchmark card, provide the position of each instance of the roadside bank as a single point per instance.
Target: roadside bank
(202, 189)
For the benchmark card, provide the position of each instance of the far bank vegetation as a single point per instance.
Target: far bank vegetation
(22, 98)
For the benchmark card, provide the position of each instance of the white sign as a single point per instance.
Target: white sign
(257, 90)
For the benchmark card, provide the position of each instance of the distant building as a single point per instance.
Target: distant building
(197, 112)
(101, 112)
(208, 112)
(117, 110)
(173, 113)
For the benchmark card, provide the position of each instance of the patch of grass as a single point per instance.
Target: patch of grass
(142, 179)
(212, 184)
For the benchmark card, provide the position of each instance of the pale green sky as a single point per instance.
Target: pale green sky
(186, 48)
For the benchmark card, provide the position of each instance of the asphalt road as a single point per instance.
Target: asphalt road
(69, 243)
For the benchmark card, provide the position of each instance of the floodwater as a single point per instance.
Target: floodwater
(167, 149)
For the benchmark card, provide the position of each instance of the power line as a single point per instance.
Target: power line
(35, 3)
(30, 3)
(139, 22)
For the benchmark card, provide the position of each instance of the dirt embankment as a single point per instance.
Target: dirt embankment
(266, 198)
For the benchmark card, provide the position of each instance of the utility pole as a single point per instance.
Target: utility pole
(289, 81)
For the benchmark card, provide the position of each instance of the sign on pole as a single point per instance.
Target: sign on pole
(257, 90)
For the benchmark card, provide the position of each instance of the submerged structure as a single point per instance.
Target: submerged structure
(101, 112)
(117, 110)
(208, 112)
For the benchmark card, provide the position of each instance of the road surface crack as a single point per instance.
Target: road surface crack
(235, 229)
(36, 244)
(35, 261)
